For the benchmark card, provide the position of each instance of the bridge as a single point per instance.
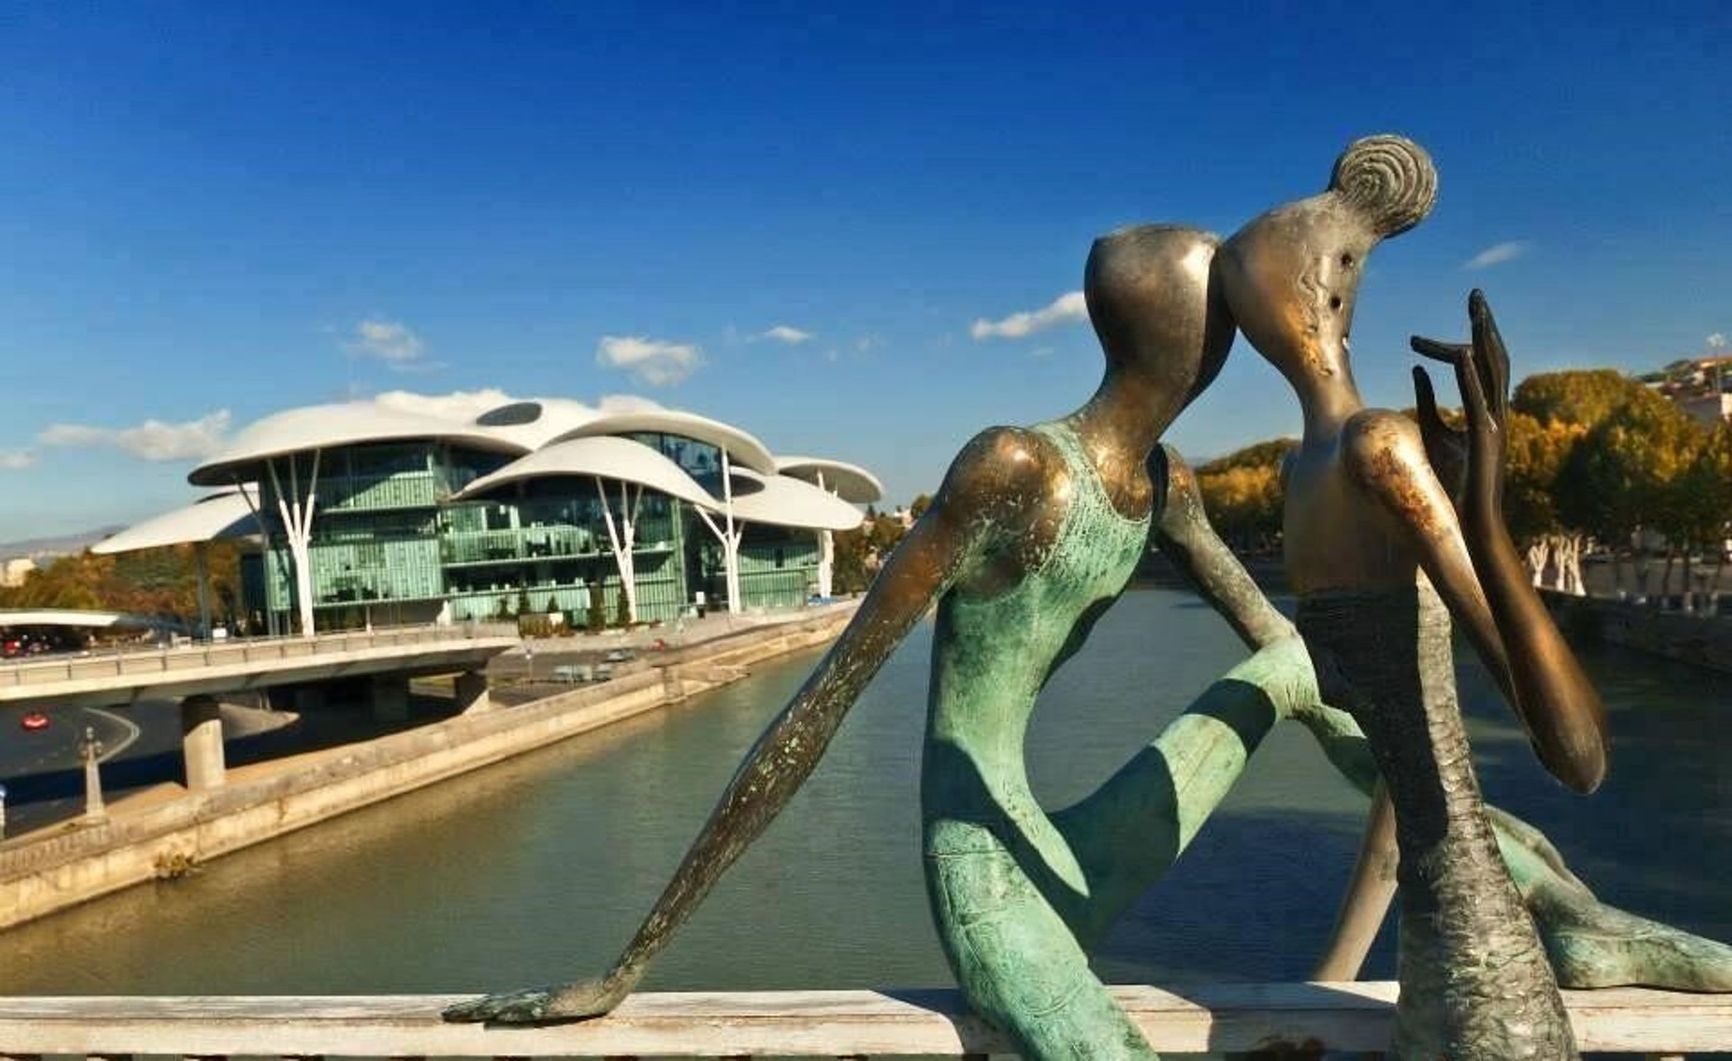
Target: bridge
(1282, 1020)
(196, 674)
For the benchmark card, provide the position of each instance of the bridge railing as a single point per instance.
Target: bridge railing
(150, 659)
(1289, 1020)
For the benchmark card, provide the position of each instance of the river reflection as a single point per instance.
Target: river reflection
(540, 869)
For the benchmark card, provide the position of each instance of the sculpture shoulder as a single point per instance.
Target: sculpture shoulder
(1380, 443)
(1005, 474)
(1384, 453)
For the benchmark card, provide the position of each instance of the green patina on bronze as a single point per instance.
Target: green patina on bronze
(1033, 535)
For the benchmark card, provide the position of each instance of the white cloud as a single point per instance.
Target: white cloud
(651, 361)
(1717, 341)
(15, 460)
(1063, 309)
(392, 342)
(1497, 254)
(457, 405)
(153, 440)
(785, 333)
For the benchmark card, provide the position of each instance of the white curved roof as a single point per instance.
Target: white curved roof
(73, 617)
(782, 501)
(850, 482)
(743, 449)
(619, 459)
(222, 515)
(340, 424)
(534, 422)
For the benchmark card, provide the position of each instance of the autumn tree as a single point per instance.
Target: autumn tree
(1242, 494)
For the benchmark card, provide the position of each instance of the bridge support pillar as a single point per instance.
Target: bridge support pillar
(201, 742)
(389, 694)
(470, 691)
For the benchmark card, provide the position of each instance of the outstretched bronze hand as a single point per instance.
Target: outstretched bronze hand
(1470, 461)
(1563, 714)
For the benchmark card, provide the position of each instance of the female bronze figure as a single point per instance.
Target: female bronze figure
(1376, 553)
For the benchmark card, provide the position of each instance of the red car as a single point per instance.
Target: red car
(34, 720)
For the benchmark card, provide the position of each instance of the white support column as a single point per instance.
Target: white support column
(826, 554)
(730, 543)
(622, 541)
(297, 516)
(826, 563)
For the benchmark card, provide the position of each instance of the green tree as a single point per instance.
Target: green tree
(1626, 474)
(1578, 396)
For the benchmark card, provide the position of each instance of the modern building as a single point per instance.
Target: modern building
(365, 515)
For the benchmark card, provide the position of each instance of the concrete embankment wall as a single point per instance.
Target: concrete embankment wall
(164, 840)
(1692, 639)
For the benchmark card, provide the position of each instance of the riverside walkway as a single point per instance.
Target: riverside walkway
(1287, 1020)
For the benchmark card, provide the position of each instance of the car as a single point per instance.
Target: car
(34, 720)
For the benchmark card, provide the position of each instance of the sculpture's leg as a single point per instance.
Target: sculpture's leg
(1589, 943)
(1015, 957)
(1369, 892)
(1127, 832)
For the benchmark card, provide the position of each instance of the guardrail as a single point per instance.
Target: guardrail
(1301, 1019)
(160, 659)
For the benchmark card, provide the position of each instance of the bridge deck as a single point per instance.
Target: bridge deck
(1204, 1018)
(117, 677)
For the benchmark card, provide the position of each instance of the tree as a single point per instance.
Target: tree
(1626, 474)
(1537, 456)
(1705, 499)
(1583, 397)
(1242, 494)
(919, 506)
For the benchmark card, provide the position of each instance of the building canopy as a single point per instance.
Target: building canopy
(781, 501)
(743, 449)
(223, 515)
(850, 482)
(534, 422)
(618, 459)
(319, 427)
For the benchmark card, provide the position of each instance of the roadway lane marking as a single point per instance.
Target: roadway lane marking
(131, 727)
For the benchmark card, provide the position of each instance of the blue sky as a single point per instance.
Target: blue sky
(212, 212)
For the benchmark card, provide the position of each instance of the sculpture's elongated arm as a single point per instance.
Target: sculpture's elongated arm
(984, 496)
(1556, 701)
(1386, 457)
(1183, 533)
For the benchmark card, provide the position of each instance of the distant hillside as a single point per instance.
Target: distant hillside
(61, 546)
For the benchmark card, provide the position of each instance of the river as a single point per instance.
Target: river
(540, 869)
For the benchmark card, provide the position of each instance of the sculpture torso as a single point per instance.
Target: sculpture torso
(995, 647)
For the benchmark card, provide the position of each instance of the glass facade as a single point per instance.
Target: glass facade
(388, 547)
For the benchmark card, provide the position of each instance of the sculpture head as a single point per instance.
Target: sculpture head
(1156, 309)
(1292, 275)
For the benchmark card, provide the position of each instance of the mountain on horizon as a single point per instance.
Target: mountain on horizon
(61, 545)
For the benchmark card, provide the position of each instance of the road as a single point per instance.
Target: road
(43, 773)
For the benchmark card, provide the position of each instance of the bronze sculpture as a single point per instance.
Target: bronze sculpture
(1365, 515)
(1034, 533)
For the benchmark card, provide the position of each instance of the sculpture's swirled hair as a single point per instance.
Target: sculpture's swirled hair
(1390, 181)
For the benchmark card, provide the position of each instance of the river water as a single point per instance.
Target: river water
(540, 869)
